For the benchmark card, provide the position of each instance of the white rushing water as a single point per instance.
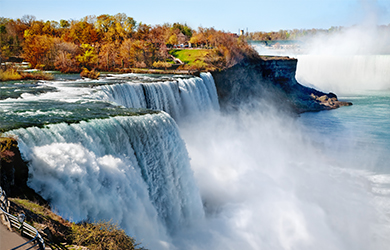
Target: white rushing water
(177, 98)
(252, 179)
(344, 74)
(133, 170)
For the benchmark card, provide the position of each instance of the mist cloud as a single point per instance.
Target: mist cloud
(266, 185)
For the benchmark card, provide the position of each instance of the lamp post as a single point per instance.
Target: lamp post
(21, 218)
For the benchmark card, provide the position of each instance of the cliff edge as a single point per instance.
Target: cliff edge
(14, 172)
(270, 79)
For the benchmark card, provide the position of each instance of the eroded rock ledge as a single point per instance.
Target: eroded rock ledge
(14, 172)
(271, 79)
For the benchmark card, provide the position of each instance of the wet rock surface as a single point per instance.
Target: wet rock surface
(271, 80)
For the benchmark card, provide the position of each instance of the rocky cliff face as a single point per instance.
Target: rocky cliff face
(270, 79)
(14, 172)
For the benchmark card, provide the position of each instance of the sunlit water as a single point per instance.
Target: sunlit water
(362, 129)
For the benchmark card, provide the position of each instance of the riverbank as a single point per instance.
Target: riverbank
(12, 74)
(158, 71)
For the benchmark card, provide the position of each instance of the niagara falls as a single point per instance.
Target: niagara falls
(176, 137)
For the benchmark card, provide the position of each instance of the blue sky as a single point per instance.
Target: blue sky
(228, 15)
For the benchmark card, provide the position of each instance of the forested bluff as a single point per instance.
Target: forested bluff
(113, 43)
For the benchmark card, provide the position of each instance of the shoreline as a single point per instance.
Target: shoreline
(13, 72)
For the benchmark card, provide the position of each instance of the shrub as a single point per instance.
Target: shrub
(39, 75)
(65, 63)
(9, 75)
(160, 65)
(102, 235)
(6, 145)
(89, 74)
(140, 65)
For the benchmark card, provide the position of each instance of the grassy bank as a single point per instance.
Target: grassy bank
(12, 74)
(59, 233)
(194, 58)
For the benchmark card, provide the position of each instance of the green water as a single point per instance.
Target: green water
(361, 131)
(66, 99)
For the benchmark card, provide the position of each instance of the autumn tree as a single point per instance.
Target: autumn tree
(127, 54)
(81, 32)
(143, 31)
(184, 29)
(48, 28)
(115, 28)
(198, 39)
(88, 57)
(38, 51)
(5, 40)
(65, 60)
(11, 37)
(109, 56)
(64, 24)
(157, 37)
(111, 42)
(172, 40)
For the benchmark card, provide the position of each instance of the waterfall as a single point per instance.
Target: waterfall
(259, 178)
(344, 74)
(134, 170)
(178, 98)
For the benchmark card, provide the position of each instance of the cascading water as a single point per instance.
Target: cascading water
(178, 98)
(266, 180)
(344, 74)
(134, 170)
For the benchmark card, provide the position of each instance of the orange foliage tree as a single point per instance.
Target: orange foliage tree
(37, 50)
(110, 43)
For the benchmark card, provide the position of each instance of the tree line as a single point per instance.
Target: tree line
(297, 34)
(294, 34)
(110, 43)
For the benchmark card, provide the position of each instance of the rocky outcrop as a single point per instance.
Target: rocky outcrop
(270, 79)
(14, 172)
(330, 100)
